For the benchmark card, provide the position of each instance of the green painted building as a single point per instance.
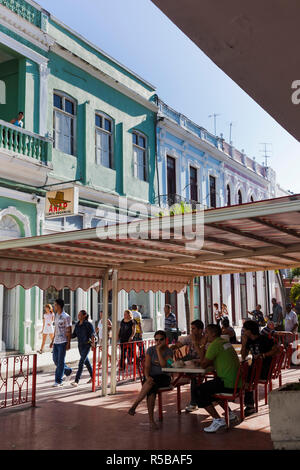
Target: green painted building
(89, 122)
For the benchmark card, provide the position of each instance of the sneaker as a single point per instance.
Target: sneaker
(190, 408)
(74, 384)
(216, 425)
(57, 385)
(249, 410)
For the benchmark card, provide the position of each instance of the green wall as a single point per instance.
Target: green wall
(25, 208)
(9, 73)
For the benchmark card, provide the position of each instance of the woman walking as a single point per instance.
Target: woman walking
(48, 328)
(84, 332)
(156, 358)
(125, 335)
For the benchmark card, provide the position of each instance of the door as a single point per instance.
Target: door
(8, 320)
(193, 184)
(171, 180)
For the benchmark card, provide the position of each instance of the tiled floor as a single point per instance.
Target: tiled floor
(69, 418)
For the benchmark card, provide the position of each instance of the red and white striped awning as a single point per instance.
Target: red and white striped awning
(258, 236)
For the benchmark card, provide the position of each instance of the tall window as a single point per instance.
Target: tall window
(228, 195)
(104, 140)
(240, 197)
(212, 191)
(171, 180)
(64, 123)
(244, 299)
(251, 199)
(193, 184)
(254, 277)
(208, 299)
(140, 160)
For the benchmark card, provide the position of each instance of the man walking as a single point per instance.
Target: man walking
(277, 315)
(61, 342)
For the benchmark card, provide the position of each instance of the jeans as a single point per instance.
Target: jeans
(59, 354)
(84, 350)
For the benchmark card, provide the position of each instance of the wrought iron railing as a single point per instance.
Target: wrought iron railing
(18, 380)
(24, 9)
(25, 143)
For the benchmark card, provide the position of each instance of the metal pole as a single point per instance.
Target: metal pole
(34, 369)
(105, 335)
(192, 300)
(113, 377)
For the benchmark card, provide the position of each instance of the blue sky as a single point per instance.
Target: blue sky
(138, 35)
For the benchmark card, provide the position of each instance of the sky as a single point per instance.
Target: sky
(138, 35)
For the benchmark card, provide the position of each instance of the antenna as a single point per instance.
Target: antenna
(265, 150)
(230, 132)
(215, 120)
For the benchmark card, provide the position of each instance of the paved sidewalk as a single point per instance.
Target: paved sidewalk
(76, 418)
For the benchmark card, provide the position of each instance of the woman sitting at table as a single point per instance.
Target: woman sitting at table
(154, 378)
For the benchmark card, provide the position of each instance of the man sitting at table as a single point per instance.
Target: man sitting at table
(259, 345)
(223, 357)
(192, 342)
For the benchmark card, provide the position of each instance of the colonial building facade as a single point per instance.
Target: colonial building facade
(89, 123)
(196, 166)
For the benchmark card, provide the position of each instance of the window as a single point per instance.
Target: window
(212, 191)
(64, 123)
(251, 199)
(244, 299)
(104, 140)
(140, 160)
(228, 195)
(193, 184)
(240, 197)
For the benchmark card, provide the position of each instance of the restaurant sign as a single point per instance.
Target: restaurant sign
(63, 202)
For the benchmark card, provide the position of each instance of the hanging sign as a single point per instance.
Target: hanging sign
(63, 202)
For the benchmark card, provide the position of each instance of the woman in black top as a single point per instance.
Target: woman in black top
(84, 332)
(125, 335)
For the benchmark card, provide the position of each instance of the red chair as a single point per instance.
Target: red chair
(273, 373)
(287, 361)
(252, 385)
(140, 366)
(238, 392)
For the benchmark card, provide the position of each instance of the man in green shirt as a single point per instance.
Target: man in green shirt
(220, 354)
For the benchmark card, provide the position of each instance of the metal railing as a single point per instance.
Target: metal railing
(25, 143)
(18, 380)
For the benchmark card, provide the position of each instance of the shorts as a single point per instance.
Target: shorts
(162, 380)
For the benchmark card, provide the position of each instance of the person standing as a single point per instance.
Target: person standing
(137, 318)
(125, 336)
(290, 324)
(224, 312)
(48, 328)
(258, 316)
(277, 317)
(99, 329)
(84, 332)
(170, 323)
(217, 314)
(61, 342)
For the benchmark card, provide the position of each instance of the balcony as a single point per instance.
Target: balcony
(23, 9)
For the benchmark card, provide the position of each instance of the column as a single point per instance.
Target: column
(105, 335)
(44, 74)
(113, 378)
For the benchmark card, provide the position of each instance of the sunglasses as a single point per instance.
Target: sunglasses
(159, 339)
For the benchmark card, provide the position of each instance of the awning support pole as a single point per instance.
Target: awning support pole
(105, 335)
(192, 301)
(115, 292)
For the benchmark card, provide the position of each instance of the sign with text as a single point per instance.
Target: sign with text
(60, 203)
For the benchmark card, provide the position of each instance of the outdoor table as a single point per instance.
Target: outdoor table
(182, 371)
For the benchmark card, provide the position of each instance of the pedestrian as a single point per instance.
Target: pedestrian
(170, 324)
(18, 121)
(224, 312)
(277, 316)
(48, 329)
(290, 324)
(258, 316)
(137, 317)
(125, 336)
(217, 314)
(84, 332)
(61, 342)
(154, 378)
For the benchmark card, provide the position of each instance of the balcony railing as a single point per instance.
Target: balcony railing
(25, 143)
(23, 9)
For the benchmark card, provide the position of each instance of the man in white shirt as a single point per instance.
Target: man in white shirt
(61, 342)
(290, 324)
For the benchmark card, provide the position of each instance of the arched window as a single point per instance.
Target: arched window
(228, 195)
(64, 122)
(104, 140)
(240, 197)
(9, 228)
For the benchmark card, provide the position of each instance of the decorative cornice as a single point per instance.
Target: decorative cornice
(28, 31)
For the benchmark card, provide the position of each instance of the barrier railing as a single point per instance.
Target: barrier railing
(127, 355)
(18, 380)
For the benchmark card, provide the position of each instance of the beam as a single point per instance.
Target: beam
(267, 223)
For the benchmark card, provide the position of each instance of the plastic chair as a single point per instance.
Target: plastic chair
(238, 392)
(286, 362)
(252, 385)
(273, 373)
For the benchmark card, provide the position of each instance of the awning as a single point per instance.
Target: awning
(258, 236)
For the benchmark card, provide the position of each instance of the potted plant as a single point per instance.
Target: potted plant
(285, 417)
